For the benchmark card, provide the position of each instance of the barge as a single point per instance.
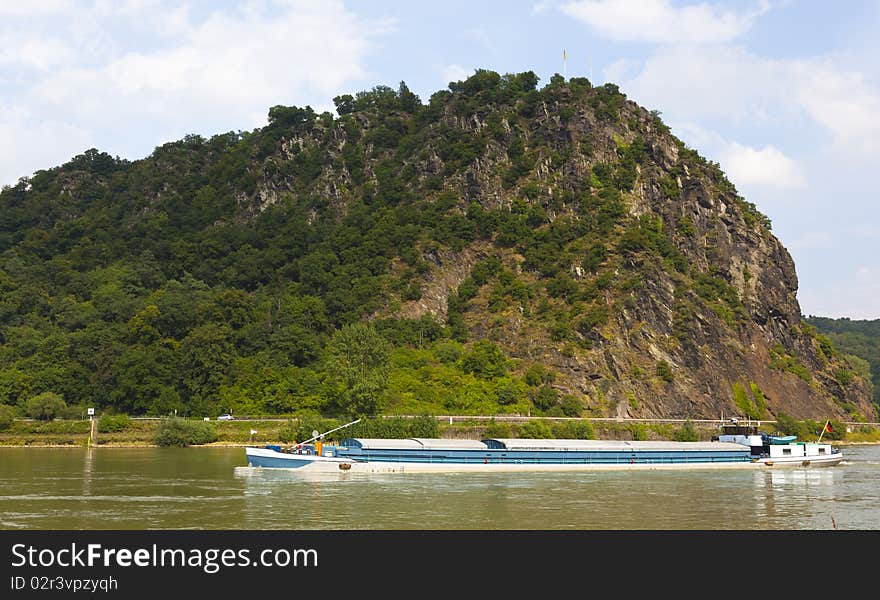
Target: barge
(421, 455)
(737, 447)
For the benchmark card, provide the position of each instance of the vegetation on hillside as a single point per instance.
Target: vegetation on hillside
(860, 341)
(262, 272)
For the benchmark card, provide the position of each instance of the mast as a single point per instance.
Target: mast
(321, 435)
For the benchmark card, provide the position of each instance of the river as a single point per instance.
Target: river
(210, 488)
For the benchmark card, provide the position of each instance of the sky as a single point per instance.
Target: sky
(783, 94)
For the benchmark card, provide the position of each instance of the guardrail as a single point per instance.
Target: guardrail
(452, 419)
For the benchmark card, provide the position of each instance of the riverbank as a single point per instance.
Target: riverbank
(135, 433)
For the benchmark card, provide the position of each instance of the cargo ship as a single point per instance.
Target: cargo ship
(736, 447)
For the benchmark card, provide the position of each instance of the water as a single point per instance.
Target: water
(210, 488)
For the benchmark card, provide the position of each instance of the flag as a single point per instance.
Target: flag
(827, 426)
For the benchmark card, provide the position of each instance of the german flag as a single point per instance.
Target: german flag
(827, 426)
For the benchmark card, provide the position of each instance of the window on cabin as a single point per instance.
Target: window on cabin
(786, 451)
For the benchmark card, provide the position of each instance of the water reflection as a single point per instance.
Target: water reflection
(88, 469)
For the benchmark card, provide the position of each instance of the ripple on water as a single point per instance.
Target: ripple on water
(202, 490)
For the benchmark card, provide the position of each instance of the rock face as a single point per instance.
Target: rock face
(721, 334)
(567, 225)
(694, 301)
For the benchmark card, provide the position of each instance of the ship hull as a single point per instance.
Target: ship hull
(265, 458)
(802, 461)
(416, 455)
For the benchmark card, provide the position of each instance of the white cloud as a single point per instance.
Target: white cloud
(28, 143)
(767, 167)
(179, 74)
(729, 84)
(718, 81)
(32, 51)
(15, 8)
(840, 100)
(658, 21)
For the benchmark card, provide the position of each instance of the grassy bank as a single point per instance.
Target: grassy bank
(135, 433)
(126, 432)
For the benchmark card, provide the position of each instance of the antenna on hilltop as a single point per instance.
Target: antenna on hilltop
(564, 72)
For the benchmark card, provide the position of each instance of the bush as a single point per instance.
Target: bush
(424, 426)
(544, 398)
(572, 406)
(639, 432)
(497, 430)
(535, 430)
(447, 351)
(7, 416)
(537, 374)
(113, 423)
(788, 425)
(687, 433)
(71, 413)
(844, 377)
(179, 432)
(664, 371)
(573, 430)
(485, 360)
(391, 428)
(45, 406)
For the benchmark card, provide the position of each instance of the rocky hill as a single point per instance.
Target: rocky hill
(549, 250)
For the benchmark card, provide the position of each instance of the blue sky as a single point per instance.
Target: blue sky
(785, 95)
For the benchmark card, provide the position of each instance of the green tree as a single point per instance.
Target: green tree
(357, 365)
(7, 416)
(45, 406)
(544, 398)
(485, 360)
(206, 355)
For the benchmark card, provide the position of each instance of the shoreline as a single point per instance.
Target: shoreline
(240, 434)
(124, 445)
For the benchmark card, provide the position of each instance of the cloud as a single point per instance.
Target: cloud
(767, 167)
(12, 8)
(157, 72)
(729, 84)
(32, 51)
(28, 143)
(843, 101)
(658, 21)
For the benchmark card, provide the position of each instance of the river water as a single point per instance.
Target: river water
(210, 488)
